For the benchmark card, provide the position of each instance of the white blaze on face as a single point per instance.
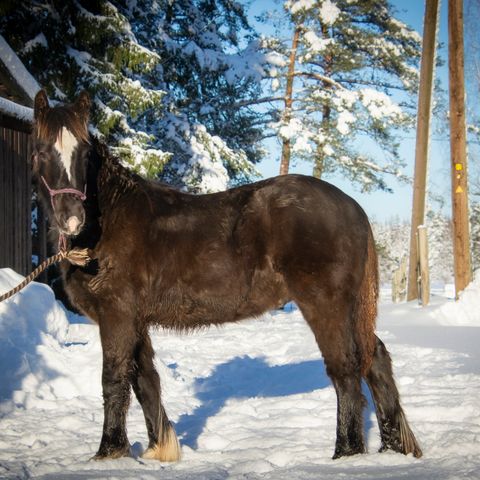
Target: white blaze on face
(65, 145)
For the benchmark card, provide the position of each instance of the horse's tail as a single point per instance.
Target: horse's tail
(366, 306)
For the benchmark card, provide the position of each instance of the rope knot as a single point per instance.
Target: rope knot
(77, 256)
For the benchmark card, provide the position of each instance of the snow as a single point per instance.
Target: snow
(345, 118)
(17, 69)
(40, 39)
(249, 400)
(16, 110)
(296, 6)
(329, 12)
(379, 104)
(317, 44)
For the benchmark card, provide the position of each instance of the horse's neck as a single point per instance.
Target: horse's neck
(113, 180)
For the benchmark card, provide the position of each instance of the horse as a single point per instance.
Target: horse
(161, 257)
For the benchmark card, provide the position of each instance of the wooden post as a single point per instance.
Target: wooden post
(423, 133)
(424, 273)
(286, 150)
(399, 282)
(458, 151)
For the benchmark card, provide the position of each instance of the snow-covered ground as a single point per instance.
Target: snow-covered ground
(249, 400)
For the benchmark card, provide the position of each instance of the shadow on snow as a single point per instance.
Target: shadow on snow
(246, 377)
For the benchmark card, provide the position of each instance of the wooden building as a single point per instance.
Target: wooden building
(17, 90)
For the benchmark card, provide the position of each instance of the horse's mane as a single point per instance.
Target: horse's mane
(50, 124)
(113, 180)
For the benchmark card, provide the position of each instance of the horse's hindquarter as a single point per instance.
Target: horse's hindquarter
(319, 237)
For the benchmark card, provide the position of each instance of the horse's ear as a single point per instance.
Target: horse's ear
(83, 104)
(40, 104)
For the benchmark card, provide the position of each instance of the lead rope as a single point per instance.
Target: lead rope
(76, 256)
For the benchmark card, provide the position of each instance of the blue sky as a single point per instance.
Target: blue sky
(380, 205)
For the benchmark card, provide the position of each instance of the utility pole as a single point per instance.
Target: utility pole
(286, 144)
(423, 134)
(458, 150)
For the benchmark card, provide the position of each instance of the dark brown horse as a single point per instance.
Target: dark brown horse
(166, 258)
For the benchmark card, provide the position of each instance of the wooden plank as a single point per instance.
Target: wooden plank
(8, 200)
(28, 198)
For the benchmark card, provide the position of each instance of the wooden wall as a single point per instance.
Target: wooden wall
(15, 196)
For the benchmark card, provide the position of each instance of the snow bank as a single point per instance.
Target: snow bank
(47, 354)
(466, 310)
(29, 322)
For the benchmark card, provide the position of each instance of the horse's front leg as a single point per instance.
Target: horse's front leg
(118, 343)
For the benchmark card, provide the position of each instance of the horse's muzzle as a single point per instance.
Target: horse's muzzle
(71, 227)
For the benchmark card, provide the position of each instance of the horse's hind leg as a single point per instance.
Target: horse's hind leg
(330, 322)
(162, 440)
(394, 429)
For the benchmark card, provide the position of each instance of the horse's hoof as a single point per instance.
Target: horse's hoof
(412, 448)
(348, 452)
(111, 455)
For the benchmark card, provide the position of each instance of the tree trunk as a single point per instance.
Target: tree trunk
(286, 144)
(319, 165)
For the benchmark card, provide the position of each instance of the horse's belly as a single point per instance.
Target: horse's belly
(181, 308)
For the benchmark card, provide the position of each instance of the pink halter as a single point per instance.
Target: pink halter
(54, 192)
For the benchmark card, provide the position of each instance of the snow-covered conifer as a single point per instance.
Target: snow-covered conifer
(351, 57)
(167, 80)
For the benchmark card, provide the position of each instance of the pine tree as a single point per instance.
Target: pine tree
(351, 57)
(393, 239)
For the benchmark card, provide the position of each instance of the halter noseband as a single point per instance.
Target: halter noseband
(53, 192)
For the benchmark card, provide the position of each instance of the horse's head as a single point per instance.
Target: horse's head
(59, 159)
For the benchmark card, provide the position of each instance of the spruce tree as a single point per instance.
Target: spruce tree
(159, 99)
(211, 69)
(71, 46)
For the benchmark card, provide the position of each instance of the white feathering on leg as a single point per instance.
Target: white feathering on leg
(167, 451)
